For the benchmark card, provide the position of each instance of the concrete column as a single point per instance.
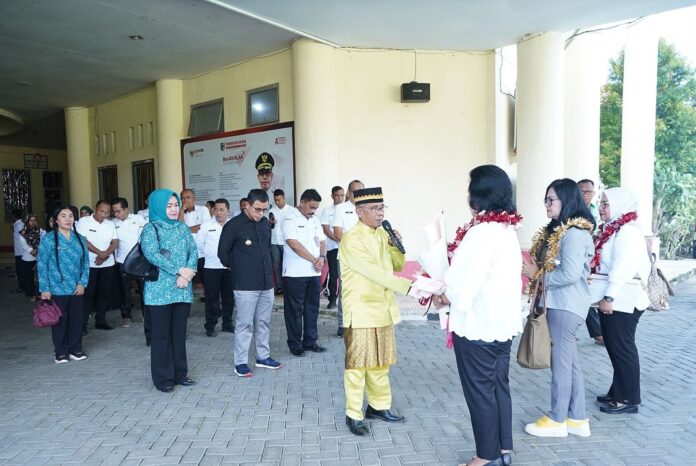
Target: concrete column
(170, 131)
(79, 161)
(316, 134)
(584, 75)
(638, 118)
(539, 126)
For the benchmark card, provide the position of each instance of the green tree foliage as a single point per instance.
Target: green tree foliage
(674, 210)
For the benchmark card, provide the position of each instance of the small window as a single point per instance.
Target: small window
(262, 105)
(139, 136)
(131, 138)
(206, 118)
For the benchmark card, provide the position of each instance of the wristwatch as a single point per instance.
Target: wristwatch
(609, 299)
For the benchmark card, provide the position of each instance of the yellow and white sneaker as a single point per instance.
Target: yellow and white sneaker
(579, 427)
(547, 427)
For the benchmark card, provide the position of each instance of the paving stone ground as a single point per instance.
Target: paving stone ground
(105, 410)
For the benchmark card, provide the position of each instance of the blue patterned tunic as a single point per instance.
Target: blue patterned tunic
(177, 239)
(74, 264)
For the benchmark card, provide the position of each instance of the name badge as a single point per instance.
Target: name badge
(93, 231)
(300, 226)
(213, 230)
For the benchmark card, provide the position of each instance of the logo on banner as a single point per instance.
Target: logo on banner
(280, 140)
(195, 152)
(234, 144)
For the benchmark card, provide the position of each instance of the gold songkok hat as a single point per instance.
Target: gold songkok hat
(368, 196)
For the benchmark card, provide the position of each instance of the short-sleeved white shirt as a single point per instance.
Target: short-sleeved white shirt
(100, 235)
(128, 233)
(196, 217)
(279, 215)
(327, 218)
(207, 240)
(309, 233)
(345, 216)
(16, 229)
(145, 213)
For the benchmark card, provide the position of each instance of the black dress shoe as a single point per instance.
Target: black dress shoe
(507, 459)
(500, 461)
(147, 342)
(166, 388)
(228, 329)
(339, 333)
(315, 348)
(618, 408)
(210, 332)
(186, 382)
(357, 427)
(605, 398)
(103, 326)
(383, 414)
(297, 351)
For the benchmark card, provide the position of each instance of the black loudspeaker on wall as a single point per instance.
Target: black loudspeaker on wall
(415, 92)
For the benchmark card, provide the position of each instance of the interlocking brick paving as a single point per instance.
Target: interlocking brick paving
(105, 410)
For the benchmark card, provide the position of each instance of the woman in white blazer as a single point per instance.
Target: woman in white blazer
(622, 268)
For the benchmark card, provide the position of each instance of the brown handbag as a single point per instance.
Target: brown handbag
(534, 351)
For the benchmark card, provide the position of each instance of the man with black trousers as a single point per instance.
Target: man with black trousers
(218, 279)
(304, 253)
(327, 218)
(103, 277)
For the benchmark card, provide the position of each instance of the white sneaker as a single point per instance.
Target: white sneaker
(126, 323)
(61, 359)
(547, 427)
(580, 427)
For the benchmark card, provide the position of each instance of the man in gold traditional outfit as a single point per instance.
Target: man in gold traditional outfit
(368, 261)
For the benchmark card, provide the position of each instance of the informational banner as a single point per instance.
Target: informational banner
(224, 164)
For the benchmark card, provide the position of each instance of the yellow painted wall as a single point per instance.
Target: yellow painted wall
(12, 157)
(231, 84)
(118, 116)
(420, 153)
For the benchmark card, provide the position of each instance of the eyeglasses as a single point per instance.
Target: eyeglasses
(587, 191)
(377, 208)
(549, 200)
(259, 210)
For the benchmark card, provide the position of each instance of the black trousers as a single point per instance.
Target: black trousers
(301, 309)
(200, 270)
(103, 283)
(218, 289)
(126, 282)
(18, 272)
(619, 330)
(27, 274)
(168, 349)
(483, 371)
(594, 328)
(334, 274)
(67, 334)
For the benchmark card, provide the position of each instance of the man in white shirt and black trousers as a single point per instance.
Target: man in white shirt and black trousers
(345, 218)
(327, 218)
(304, 254)
(17, 227)
(194, 216)
(218, 279)
(103, 277)
(128, 228)
(276, 216)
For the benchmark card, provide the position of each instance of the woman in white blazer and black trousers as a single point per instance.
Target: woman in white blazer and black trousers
(622, 267)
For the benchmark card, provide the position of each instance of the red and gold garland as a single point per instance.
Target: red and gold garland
(513, 219)
(606, 231)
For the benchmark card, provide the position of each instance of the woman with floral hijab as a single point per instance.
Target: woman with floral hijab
(622, 266)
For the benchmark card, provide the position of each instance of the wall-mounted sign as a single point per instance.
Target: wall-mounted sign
(224, 164)
(36, 161)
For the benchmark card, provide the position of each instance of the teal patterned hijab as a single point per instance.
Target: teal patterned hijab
(157, 204)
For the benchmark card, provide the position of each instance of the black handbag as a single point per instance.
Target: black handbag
(137, 266)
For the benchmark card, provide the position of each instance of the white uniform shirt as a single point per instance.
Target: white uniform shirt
(100, 235)
(145, 214)
(196, 217)
(327, 218)
(345, 216)
(207, 241)
(279, 215)
(309, 233)
(16, 228)
(128, 233)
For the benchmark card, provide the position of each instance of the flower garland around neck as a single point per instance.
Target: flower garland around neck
(513, 219)
(606, 231)
(553, 241)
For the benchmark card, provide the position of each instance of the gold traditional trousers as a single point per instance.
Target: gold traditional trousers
(369, 314)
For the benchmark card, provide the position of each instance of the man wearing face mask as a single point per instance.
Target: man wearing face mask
(245, 248)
